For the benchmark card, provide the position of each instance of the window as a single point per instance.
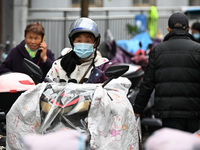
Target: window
(92, 3)
(194, 2)
(144, 2)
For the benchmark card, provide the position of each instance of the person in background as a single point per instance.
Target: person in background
(33, 48)
(173, 71)
(196, 31)
(82, 63)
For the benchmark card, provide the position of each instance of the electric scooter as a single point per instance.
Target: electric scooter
(59, 103)
(12, 85)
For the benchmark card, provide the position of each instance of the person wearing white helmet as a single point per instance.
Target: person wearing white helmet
(79, 62)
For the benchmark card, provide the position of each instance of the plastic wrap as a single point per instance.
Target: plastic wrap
(104, 114)
(67, 107)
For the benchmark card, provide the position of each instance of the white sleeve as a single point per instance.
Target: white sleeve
(53, 72)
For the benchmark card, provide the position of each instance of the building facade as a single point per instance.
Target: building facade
(16, 14)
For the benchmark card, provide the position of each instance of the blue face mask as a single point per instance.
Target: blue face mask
(83, 50)
(196, 36)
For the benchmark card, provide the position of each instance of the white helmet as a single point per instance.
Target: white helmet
(84, 25)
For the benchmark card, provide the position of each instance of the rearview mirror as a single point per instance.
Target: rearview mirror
(34, 70)
(115, 71)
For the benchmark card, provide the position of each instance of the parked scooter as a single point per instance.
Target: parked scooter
(12, 85)
(110, 50)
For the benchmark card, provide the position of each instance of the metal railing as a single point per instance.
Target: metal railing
(59, 20)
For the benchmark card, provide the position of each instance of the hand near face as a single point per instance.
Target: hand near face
(43, 48)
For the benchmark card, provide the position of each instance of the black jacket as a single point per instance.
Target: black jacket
(174, 71)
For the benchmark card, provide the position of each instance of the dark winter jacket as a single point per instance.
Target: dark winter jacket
(174, 71)
(14, 60)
